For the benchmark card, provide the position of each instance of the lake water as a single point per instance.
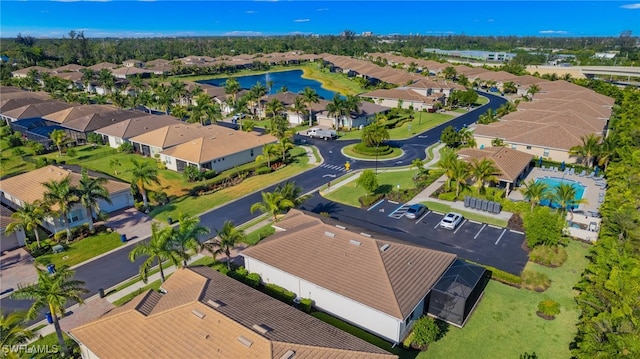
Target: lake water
(291, 79)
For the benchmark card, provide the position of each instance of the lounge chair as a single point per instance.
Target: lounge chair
(555, 169)
(584, 172)
(543, 167)
(590, 175)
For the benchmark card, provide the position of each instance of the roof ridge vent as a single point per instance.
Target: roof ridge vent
(215, 303)
(261, 328)
(288, 354)
(341, 227)
(384, 247)
(246, 342)
(365, 234)
(329, 234)
(198, 314)
(354, 242)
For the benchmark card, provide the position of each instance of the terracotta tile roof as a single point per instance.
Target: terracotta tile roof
(498, 76)
(509, 162)
(36, 110)
(69, 68)
(220, 142)
(99, 120)
(558, 105)
(8, 104)
(587, 95)
(78, 111)
(169, 136)
(404, 94)
(470, 72)
(103, 65)
(346, 262)
(70, 76)
(28, 186)
(128, 71)
(367, 108)
(26, 70)
(138, 126)
(5, 217)
(400, 78)
(287, 98)
(527, 80)
(565, 117)
(157, 62)
(8, 93)
(197, 328)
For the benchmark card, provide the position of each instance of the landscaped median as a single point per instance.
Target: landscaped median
(422, 121)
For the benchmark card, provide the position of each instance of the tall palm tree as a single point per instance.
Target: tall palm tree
(163, 97)
(446, 163)
(484, 171)
(63, 195)
(375, 134)
(274, 107)
(52, 291)
(226, 239)
(257, 92)
(185, 236)
(466, 138)
(460, 174)
(449, 72)
(268, 150)
(28, 218)
(60, 139)
(488, 117)
(232, 87)
(273, 203)
(535, 192)
(13, 332)
(115, 163)
(285, 144)
(533, 89)
(607, 150)
(90, 191)
(509, 87)
(587, 150)
(299, 106)
(418, 164)
(336, 108)
(157, 248)
(565, 196)
(310, 96)
(291, 192)
(144, 173)
(178, 90)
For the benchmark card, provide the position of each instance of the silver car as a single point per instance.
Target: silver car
(451, 220)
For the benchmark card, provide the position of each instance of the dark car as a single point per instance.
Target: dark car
(415, 211)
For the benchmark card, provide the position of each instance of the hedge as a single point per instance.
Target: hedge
(305, 305)
(362, 149)
(279, 293)
(263, 170)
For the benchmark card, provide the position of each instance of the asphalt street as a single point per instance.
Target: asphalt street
(108, 271)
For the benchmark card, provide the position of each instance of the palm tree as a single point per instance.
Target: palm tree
(178, 90)
(446, 163)
(418, 164)
(299, 106)
(284, 144)
(487, 117)
(63, 195)
(272, 203)
(268, 150)
(185, 237)
(28, 218)
(484, 171)
(374, 134)
(144, 173)
(587, 150)
(115, 163)
(607, 150)
(274, 107)
(449, 72)
(565, 196)
(535, 192)
(291, 192)
(505, 109)
(497, 142)
(89, 191)
(163, 97)
(53, 291)
(232, 87)
(257, 92)
(533, 89)
(179, 112)
(310, 96)
(466, 137)
(158, 247)
(460, 174)
(336, 108)
(59, 138)
(13, 332)
(226, 239)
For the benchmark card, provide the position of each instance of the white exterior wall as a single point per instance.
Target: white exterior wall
(553, 154)
(236, 159)
(119, 200)
(372, 320)
(115, 142)
(11, 241)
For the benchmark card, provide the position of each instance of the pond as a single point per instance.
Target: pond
(291, 79)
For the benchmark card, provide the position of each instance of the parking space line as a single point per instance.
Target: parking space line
(421, 218)
(502, 234)
(379, 202)
(477, 234)
(394, 202)
(398, 216)
(437, 224)
(460, 226)
(496, 227)
(514, 231)
(476, 222)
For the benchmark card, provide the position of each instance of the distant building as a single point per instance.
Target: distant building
(475, 55)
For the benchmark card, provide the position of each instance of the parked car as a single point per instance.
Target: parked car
(320, 133)
(451, 220)
(237, 116)
(415, 211)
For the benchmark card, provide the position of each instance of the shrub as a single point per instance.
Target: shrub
(71, 152)
(279, 293)
(543, 226)
(447, 196)
(368, 200)
(549, 308)
(37, 147)
(209, 174)
(381, 150)
(253, 280)
(18, 152)
(425, 332)
(505, 277)
(548, 256)
(305, 305)
(4, 129)
(126, 147)
(263, 170)
(94, 138)
(368, 181)
(535, 281)
(14, 141)
(41, 162)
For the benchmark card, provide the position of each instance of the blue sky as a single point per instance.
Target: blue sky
(199, 18)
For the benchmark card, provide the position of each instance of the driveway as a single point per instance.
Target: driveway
(16, 267)
(478, 242)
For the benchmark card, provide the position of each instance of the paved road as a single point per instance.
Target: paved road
(114, 268)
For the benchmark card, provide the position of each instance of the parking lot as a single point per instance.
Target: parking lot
(479, 242)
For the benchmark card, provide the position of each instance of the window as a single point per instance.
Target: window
(513, 147)
(252, 152)
(545, 153)
(528, 147)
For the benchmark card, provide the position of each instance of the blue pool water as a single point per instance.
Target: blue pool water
(291, 79)
(553, 182)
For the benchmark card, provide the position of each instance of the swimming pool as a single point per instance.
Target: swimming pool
(553, 182)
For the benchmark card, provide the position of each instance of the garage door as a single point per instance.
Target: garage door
(118, 201)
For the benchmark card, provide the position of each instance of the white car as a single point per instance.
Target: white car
(451, 220)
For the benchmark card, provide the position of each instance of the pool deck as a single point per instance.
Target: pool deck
(584, 213)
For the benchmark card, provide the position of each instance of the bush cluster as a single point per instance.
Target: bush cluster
(305, 305)
(279, 293)
(366, 201)
(549, 307)
(381, 150)
(425, 332)
(548, 256)
(535, 281)
(263, 170)
(241, 274)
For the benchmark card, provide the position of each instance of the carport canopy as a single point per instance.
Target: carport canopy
(457, 292)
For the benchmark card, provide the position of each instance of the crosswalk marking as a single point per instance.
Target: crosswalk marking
(334, 167)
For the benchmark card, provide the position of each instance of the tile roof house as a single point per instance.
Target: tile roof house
(369, 280)
(512, 165)
(78, 128)
(23, 73)
(366, 112)
(205, 314)
(103, 65)
(408, 97)
(35, 110)
(118, 133)
(28, 187)
(153, 142)
(220, 148)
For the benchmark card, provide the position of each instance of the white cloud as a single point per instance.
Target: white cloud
(323, 9)
(301, 20)
(243, 33)
(490, 20)
(553, 32)
(631, 6)
(251, 12)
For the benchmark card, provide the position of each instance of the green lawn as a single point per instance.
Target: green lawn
(153, 285)
(348, 150)
(460, 110)
(84, 249)
(11, 163)
(481, 101)
(332, 81)
(196, 205)
(258, 235)
(505, 324)
(444, 208)
(49, 343)
(388, 181)
(421, 122)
